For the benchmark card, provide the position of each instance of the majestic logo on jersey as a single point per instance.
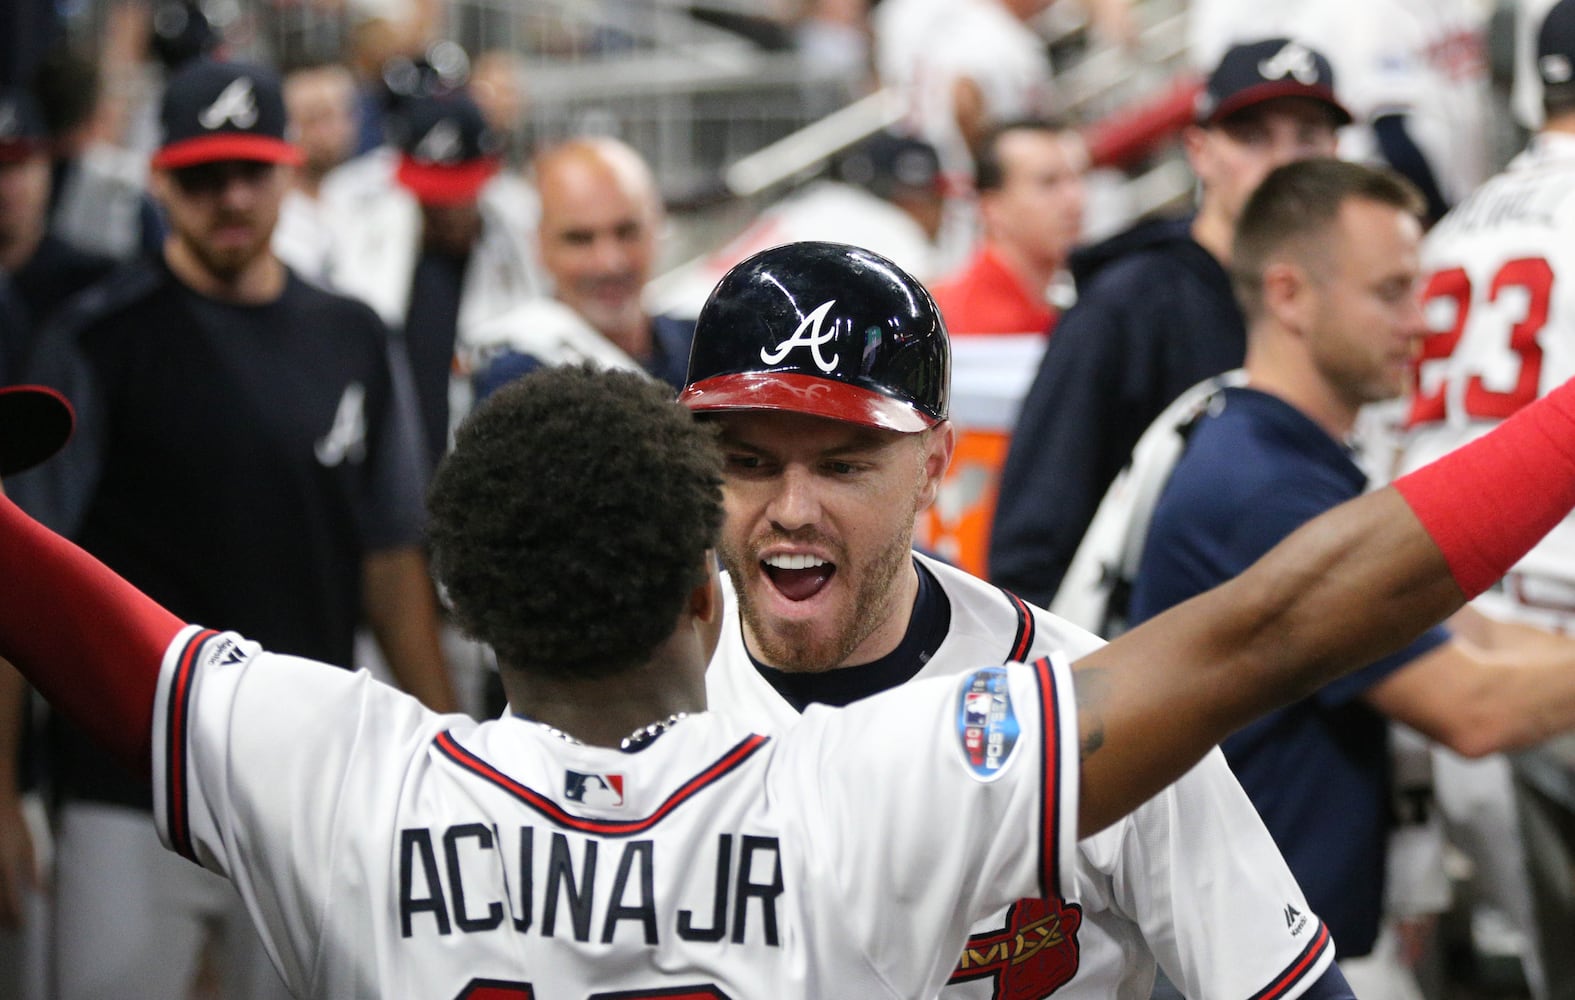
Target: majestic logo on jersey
(987, 723)
(1294, 60)
(441, 144)
(229, 653)
(1295, 921)
(236, 104)
(1034, 955)
(604, 790)
(226, 652)
(809, 334)
(346, 439)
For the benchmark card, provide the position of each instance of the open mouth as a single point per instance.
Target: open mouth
(798, 577)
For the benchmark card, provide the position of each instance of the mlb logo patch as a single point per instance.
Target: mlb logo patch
(987, 725)
(601, 790)
(976, 708)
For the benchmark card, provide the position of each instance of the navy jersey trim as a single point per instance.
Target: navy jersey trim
(176, 726)
(1050, 817)
(1298, 970)
(728, 762)
(1023, 641)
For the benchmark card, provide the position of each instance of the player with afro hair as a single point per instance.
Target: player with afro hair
(584, 571)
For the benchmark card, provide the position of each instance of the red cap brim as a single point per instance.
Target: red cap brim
(1257, 94)
(818, 397)
(445, 184)
(35, 422)
(226, 146)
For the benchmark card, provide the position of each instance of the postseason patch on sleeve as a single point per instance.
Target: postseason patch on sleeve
(987, 726)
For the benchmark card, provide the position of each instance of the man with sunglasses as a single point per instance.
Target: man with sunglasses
(233, 419)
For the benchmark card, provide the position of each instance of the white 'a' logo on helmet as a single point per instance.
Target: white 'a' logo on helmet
(441, 144)
(1294, 60)
(810, 335)
(236, 104)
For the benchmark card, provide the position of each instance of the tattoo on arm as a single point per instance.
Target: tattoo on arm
(1090, 687)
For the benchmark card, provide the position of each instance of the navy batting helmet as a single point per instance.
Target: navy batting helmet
(826, 329)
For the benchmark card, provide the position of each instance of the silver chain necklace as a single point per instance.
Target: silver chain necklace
(639, 738)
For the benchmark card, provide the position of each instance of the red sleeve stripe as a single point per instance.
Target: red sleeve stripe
(178, 714)
(544, 804)
(1299, 969)
(1024, 640)
(1050, 823)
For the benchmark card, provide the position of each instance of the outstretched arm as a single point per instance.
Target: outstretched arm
(1347, 588)
(88, 641)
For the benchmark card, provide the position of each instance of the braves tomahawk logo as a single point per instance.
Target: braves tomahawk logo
(236, 104)
(347, 437)
(1293, 60)
(1035, 954)
(810, 334)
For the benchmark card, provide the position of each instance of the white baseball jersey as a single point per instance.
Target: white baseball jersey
(386, 851)
(1191, 878)
(1426, 59)
(1499, 296)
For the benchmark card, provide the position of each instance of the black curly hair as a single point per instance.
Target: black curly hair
(570, 521)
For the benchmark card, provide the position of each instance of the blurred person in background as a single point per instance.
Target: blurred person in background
(601, 220)
(320, 100)
(999, 308)
(1031, 196)
(960, 68)
(1501, 326)
(1155, 313)
(443, 246)
(45, 270)
(1414, 73)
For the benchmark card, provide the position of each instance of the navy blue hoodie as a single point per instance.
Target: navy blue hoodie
(1155, 315)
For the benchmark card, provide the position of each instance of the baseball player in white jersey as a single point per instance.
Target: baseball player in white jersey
(1199, 846)
(388, 851)
(1501, 318)
(1501, 325)
(385, 850)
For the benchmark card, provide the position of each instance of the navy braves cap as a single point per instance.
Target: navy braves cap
(22, 129)
(826, 329)
(1254, 72)
(35, 422)
(223, 111)
(447, 150)
(1556, 45)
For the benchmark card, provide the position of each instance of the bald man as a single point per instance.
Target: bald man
(601, 212)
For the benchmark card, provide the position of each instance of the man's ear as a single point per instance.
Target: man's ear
(940, 441)
(1287, 294)
(705, 600)
(705, 608)
(1195, 144)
